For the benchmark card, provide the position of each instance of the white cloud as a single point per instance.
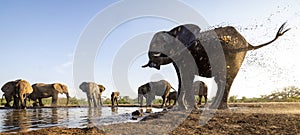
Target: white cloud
(64, 68)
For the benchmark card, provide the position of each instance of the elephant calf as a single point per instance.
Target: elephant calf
(172, 96)
(152, 89)
(200, 89)
(114, 98)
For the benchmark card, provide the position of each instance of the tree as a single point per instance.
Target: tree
(232, 99)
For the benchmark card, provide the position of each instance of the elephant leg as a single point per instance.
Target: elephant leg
(200, 99)
(186, 98)
(205, 97)
(100, 101)
(8, 100)
(40, 102)
(164, 101)
(34, 103)
(22, 101)
(117, 102)
(218, 101)
(89, 100)
(16, 103)
(112, 102)
(140, 99)
(94, 100)
(54, 99)
(167, 101)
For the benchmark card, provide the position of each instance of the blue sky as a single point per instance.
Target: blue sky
(38, 40)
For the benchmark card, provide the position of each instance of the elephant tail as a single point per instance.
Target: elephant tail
(280, 32)
(172, 88)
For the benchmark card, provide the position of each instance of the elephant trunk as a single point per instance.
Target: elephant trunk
(68, 97)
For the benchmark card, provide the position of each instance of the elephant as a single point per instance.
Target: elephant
(200, 89)
(172, 96)
(101, 90)
(92, 92)
(42, 90)
(152, 89)
(18, 91)
(114, 98)
(217, 53)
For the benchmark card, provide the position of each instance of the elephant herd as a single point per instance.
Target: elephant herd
(216, 53)
(20, 90)
(162, 88)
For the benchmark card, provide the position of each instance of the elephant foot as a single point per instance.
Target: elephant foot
(7, 105)
(179, 108)
(221, 105)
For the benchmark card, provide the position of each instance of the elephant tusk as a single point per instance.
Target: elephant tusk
(156, 54)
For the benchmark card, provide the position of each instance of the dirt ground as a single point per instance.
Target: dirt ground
(257, 118)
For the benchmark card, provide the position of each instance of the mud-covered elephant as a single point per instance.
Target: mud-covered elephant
(216, 53)
(101, 90)
(200, 89)
(152, 89)
(92, 92)
(114, 98)
(172, 96)
(42, 90)
(17, 91)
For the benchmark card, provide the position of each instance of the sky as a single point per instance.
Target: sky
(39, 40)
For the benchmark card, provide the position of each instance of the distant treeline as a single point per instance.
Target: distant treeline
(287, 94)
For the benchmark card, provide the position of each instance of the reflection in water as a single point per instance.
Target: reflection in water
(114, 110)
(31, 119)
(17, 120)
(92, 114)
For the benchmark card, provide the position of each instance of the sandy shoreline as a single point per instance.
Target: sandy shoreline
(246, 118)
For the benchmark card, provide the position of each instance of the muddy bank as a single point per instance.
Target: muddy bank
(258, 118)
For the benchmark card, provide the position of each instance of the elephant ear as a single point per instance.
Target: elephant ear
(7, 87)
(83, 86)
(101, 88)
(59, 87)
(185, 33)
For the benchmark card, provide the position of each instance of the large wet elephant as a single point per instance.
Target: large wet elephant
(152, 89)
(200, 89)
(18, 91)
(92, 92)
(42, 90)
(217, 53)
(114, 98)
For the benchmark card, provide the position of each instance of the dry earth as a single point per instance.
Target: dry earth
(257, 118)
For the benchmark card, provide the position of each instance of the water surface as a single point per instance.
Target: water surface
(12, 120)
